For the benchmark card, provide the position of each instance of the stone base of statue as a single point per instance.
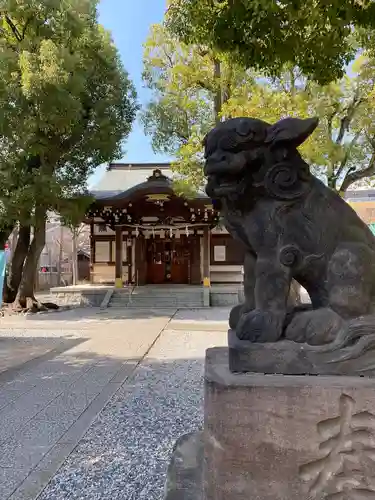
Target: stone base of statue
(185, 471)
(280, 431)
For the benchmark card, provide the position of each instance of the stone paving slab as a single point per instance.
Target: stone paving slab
(84, 318)
(125, 453)
(205, 319)
(15, 352)
(49, 402)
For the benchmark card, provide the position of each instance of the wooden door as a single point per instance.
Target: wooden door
(168, 261)
(155, 262)
(180, 261)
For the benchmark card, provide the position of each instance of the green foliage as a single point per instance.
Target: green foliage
(72, 211)
(66, 103)
(314, 35)
(341, 151)
(185, 84)
(182, 85)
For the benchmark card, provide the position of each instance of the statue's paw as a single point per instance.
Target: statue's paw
(314, 327)
(235, 315)
(260, 326)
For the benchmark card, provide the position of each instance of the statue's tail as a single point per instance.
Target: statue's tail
(353, 340)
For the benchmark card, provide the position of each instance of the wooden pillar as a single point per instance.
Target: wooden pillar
(140, 260)
(206, 256)
(118, 257)
(129, 249)
(195, 259)
(92, 252)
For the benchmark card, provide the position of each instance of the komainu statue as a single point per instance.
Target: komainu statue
(293, 227)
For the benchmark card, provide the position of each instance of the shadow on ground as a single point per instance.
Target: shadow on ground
(91, 314)
(22, 353)
(125, 452)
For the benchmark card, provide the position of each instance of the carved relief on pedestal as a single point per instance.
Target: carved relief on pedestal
(346, 468)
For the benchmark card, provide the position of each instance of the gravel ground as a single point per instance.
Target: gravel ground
(125, 453)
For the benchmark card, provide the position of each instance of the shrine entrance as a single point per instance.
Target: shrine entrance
(168, 261)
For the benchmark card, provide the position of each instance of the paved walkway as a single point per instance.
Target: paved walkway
(49, 397)
(92, 401)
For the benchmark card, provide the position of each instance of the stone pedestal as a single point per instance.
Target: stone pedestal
(283, 437)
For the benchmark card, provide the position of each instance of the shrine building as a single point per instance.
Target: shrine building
(143, 233)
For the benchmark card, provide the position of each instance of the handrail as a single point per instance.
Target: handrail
(132, 288)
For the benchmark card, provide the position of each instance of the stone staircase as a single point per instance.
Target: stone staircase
(159, 297)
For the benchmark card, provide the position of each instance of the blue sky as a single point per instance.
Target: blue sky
(130, 21)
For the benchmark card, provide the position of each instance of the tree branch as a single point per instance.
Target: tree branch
(352, 177)
(202, 52)
(25, 27)
(371, 141)
(347, 154)
(168, 56)
(14, 28)
(204, 86)
(346, 120)
(330, 121)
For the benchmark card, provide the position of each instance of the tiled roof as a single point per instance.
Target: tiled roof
(121, 177)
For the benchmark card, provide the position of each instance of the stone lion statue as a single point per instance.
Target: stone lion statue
(294, 227)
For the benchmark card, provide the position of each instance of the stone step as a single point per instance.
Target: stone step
(166, 295)
(158, 298)
(163, 293)
(152, 301)
(157, 302)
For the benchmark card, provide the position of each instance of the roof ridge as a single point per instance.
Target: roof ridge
(138, 166)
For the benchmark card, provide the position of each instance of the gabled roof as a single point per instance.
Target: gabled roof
(123, 179)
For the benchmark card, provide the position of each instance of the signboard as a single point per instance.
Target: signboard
(219, 253)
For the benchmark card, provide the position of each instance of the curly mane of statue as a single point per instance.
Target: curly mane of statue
(293, 227)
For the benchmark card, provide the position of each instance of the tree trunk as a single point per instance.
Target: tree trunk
(26, 292)
(14, 237)
(5, 233)
(74, 261)
(15, 268)
(218, 99)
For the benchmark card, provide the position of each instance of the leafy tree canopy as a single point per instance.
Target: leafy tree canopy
(341, 151)
(66, 103)
(314, 35)
(189, 84)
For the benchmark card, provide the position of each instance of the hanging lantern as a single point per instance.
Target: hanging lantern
(136, 232)
(170, 232)
(187, 231)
